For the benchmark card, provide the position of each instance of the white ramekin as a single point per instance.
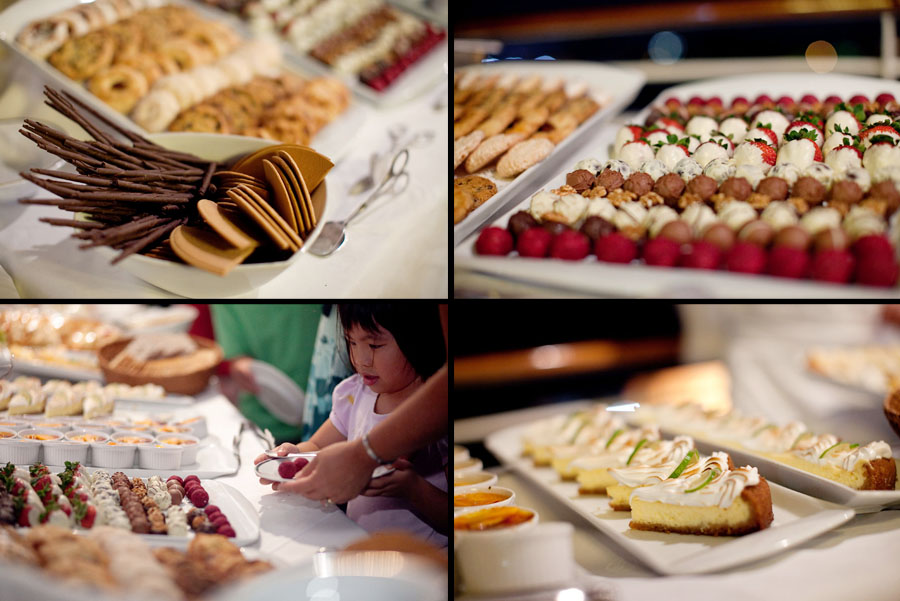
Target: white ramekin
(53, 424)
(467, 466)
(197, 423)
(119, 455)
(14, 424)
(158, 456)
(473, 479)
(460, 453)
(95, 426)
(18, 450)
(509, 497)
(71, 434)
(58, 452)
(190, 446)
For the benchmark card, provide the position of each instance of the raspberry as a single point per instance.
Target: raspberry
(832, 266)
(871, 246)
(494, 241)
(701, 255)
(746, 258)
(788, 262)
(287, 469)
(534, 242)
(615, 248)
(877, 271)
(570, 245)
(661, 251)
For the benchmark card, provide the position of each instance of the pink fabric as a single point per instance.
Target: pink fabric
(353, 414)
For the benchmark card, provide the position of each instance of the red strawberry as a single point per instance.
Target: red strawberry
(696, 101)
(765, 130)
(809, 99)
(64, 504)
(833, 100)
(853, 148)
(806, 125)
(768, 153)
(714, 101)
(878, 130)
(785, 102)
(27, 516)
(662, 252)
(859, 99)
(18, 487)
(800, 136)
(85, 515)
(637, 131)
(672, 103)
(740, 101)
(763, 99)
(669, 125)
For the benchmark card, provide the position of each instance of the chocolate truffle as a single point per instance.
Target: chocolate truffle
(555, 227)
(833, 238)
(736, 187)
(810, 189)
(639, 183)
(670, 186)
(610, 180)
(846, 192)
(719, 235)
(703, 186)
(678, 231)
(520, 222)
(773, 187)
(757, 232)
(596, 227)
(580, 179)
(792, 236)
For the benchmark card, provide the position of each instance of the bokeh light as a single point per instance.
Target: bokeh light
(821, 56)
(666, 48)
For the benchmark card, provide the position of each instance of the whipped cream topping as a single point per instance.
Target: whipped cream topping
(775, 439)
(615, 452)
(654, 462)
(721, 491)
(821, 450)
(566, 429)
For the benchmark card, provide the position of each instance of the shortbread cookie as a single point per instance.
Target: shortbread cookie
(464, 146)
(523, 155)
(490, 149)
(479, 187)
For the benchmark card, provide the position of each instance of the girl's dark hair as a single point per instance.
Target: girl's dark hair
(415, 326)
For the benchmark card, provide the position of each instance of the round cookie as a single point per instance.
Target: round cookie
(80, 58)
(479, 187)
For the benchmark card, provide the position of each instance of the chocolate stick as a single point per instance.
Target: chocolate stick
(206, 179)
(149, 239)
(134, 137)
(84, 225)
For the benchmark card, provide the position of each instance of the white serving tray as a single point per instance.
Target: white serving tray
(593, 277)
(798, 518)
(42, 369)
(615, 87)
(334, 140)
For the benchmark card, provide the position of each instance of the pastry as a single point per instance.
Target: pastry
(82, 57)
(119, 86)
(463, 147)
(522, 156)
(490, 149)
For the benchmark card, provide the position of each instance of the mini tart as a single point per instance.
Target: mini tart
(748, 512)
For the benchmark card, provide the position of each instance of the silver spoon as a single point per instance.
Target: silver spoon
(333, 232)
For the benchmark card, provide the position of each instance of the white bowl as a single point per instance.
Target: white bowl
(467, 466)
(19, 451)
(72, 435)
(60, 451)
(503, 561)
(190, 445)
(97, 426)
(190, 281)
(509, 497)
(458, 534)
(196, 423)
(53, 424)
(13, 424)
(480, 478)
(460, 453)
(118, 456)
(158, 456)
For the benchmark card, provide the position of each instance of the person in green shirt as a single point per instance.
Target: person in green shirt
(281, 335)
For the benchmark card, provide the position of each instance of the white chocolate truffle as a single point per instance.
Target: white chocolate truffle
(880, 156)
(779, 214)
(601, 207)
(687, 168)
(571, 206)
(541, 204)
(861, 221)
(890, 173)
(617, 165)
(786, 171)
(700, 125)
(657, 217)
(654, 168)
(842, 159)
(820, 218)
(699, 216)
(592, 165)
(777, 120)
(858, 175)
(820, 172)
(719, 170)
(845, 120)
(709, 151)
(630, 214)
(735, 127)
(752, 173)
(736, 214)
(670, 155)
(636, 154)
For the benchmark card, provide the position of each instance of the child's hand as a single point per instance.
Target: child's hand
(281, 450)
(396, 484)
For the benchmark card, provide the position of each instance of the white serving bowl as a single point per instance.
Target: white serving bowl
(480, 478)
(508, 494)
(14, 424)
(158, 456)
(467, 466)
(193, 282)
(502, 561)
(190, 445)
(59, 451)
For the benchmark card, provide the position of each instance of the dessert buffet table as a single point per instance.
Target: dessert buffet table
(376, 259)
(854, 560)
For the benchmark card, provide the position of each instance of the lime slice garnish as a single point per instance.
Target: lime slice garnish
(636, 448)
(688, 459)
(796, 440)
(709, 478)
(822, 456)
(577, 432)
(613, 437)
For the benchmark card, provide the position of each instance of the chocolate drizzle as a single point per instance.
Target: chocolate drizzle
(134, 191)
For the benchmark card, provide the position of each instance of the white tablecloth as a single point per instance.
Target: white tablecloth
(395, 248)
(292, 528)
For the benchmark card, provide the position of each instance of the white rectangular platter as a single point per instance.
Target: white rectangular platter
(334, 140)
(614, 88)
(593, 277)
(798, 518)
